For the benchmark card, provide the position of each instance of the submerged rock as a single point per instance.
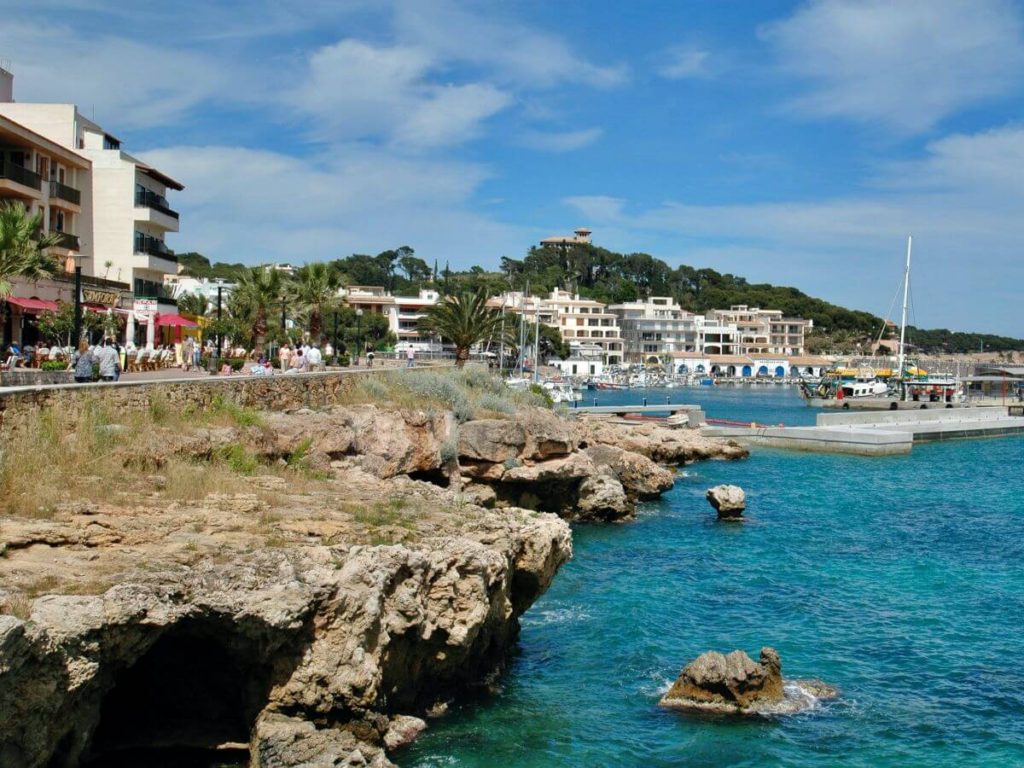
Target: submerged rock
(729, 501)
(729, 684)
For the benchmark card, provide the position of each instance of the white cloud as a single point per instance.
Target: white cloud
(257, 205)
(683, 61)
(961, 201)
(906, 64)
(564, 141)
(516, 53)
(356, 90)
(125, 83)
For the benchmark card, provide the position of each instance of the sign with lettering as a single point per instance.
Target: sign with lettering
(144, 308)
(100, 296)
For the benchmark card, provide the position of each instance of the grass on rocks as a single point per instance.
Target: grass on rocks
(469, 393)
(99, 456)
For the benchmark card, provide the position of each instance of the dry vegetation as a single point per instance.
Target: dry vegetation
(469, 393)
(83, 505)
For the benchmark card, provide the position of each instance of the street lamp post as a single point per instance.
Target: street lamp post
(216, 352)
(78, 298)
(359, 334)
(336, 353)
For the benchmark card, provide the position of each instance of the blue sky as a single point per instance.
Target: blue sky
(791, 142)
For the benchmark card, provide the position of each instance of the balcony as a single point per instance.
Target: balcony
(66, 240)
(17, 179)
(63, 192)
(153, 246)
(147, 199)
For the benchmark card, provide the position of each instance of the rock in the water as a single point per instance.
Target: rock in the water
(728, 500)
(403, 730)
(732, 684)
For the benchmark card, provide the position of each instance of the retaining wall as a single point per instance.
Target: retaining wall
(313, 390)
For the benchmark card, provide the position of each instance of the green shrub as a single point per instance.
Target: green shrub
(537, 389)
(239, 459)
(236, 363)
(53, 365)
(242, 416)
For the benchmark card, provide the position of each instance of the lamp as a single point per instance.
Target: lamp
(78, 297)
(359, 334)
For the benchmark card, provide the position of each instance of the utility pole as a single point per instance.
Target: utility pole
(901, 360)
(536, 343)
(216, 352)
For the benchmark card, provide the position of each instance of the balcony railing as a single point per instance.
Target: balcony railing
(153, 246)
(148, 199)
(17, 173)
(68, 241)
(64, 192)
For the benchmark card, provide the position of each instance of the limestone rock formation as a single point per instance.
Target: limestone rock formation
(730, 684)
(729, 501)
(663, 444)
(640, 477)
(403, 730)
(312, 631)
(492, 440)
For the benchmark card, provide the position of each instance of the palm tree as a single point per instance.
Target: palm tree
(463, 319)
(23, 251)
(314, 289)
(195, 304)
(23, 247)
(259, 290)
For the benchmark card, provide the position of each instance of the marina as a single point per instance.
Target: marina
(882, 433)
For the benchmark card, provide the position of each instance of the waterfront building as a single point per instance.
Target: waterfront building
(47, 179)
(763, 331)
(587, 326)
(180, 285)
(655, 328)
(752, 367)
(402, 312)
(122, 215)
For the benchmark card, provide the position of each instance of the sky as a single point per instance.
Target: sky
(797, 143)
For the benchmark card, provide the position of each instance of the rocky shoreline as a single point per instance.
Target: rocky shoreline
(312, 621)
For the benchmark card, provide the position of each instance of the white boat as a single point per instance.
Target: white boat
(864, 389)
(562, 392)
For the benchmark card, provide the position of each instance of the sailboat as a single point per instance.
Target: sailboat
(842, 383)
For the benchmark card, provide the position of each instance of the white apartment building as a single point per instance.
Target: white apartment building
(656, 327)
(47, 179)
(180, 285)
(124, 212)
(403, 312)
(589, 328)
(764, 331)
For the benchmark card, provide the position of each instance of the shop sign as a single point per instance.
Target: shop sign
(100, 296)
(144, 308)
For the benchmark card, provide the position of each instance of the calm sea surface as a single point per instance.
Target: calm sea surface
(901, 580)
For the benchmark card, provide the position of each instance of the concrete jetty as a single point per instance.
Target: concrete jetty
(881, 433)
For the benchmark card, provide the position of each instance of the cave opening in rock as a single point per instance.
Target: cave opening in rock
(189, 701)
(435, 476)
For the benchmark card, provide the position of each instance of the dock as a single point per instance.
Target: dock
(694, 413)
(887, 433)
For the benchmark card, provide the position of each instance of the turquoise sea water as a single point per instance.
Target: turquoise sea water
(901, 580)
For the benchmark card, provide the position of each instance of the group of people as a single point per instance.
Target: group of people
(107, 356)
(301, 358)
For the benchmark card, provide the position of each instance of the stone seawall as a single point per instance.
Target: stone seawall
(273, 393)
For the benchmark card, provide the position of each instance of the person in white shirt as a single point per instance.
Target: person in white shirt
(314, 359)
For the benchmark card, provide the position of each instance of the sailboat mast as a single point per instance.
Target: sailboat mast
(903, 323)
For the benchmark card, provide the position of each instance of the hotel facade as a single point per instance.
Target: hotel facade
(111, 207)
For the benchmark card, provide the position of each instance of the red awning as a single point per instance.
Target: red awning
(95, 307)
(184, 322)
(33, 305)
